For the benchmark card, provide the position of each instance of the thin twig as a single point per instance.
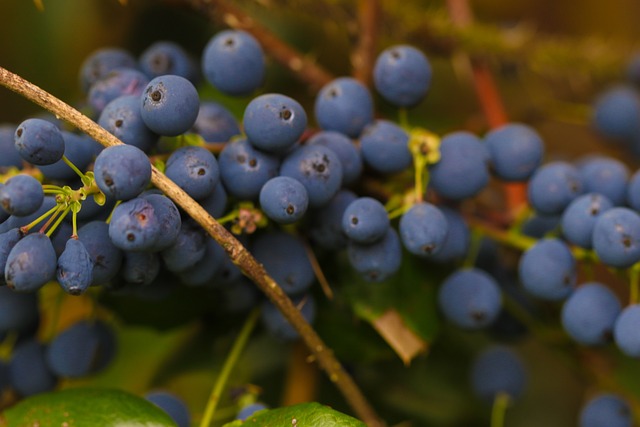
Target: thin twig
(225, 12)
(237, 253)
(364, 53)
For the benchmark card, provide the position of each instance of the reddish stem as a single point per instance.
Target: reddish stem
(364, 53)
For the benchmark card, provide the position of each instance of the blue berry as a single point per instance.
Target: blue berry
(498, 370)
(348, 152)
(553, 186)
(278, 326)
(31, 263)
(589, 314)
(548, 269)
(168, 216)
(79, 149)
(21, 195)
(9, 156)
(385, 147)
(285, 259)
(140, 268)
(215, 123)
(169, 105)
(616, 113)
(117, 83)
(379, 260)
(28, 369)
(326, 222)
(456, 243)
(106, 257)
(515, 151)
(318, 169)
(122, 171)
(244, 169)
(233, 62)
(172, 405)
(100, 62)
(166, 57)
(274, 122)
(18, 311)
(216, 203)
(188, 248)
(616, 237)
(579, 218)
(194, 169)
(538, 225)
(283, 199)
(462, 170)
(608, 410)
(606, 176)
(134, 226)
(626, 334)
(471, 299)
(75, 268)
(402, 75)
(344, 105)
(633, 191)
(365, 220)
(84, 348)
(123, 119)
(39, 142)
(203, 272)
(423, 229)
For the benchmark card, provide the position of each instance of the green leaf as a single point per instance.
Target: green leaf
(86, 407)
(301, 415)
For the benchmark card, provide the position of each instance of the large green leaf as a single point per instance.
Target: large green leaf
(88, 407)
(301, 415)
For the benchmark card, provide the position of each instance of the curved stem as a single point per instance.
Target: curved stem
(238, 254)
(229, 363)
(72, 166)
(499, 409)
(634, 284)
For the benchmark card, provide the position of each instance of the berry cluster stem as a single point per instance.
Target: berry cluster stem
(237, 253)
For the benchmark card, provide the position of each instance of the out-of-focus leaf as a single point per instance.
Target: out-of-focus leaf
(86, 407)
(395, 332)
(302, 415)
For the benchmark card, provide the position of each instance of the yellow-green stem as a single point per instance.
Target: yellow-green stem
(108, 220)
(499, 409)
(634, 284)
(38, 220)
(72, 166)
(229, 363)
(403, 118)
(58, 221)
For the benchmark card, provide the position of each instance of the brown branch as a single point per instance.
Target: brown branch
(364, 53)
(225, 12)
(238, 253)
(489, 98)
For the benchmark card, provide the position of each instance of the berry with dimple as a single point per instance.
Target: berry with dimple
(548, 269)
(194, 169)
(284, 200)
(606, 410)
(402, 75)
(318, 169)
(100, 62)
(365, 220)
(579, 218)
(31, 263)
(75, 268)
(325, 227)
(106, 257)
(140, 268)
(553, 186)
(470, 298)
(123, 119)
(349, 153)
(169, 105)
(134, 226)
(589, 314)
(423, 229)
(117, 83)
(215, 123)
(39, 142)
(21, 195)
(379, 260)
(515, 151)
(233, 62)
(616, 237)
(385, 147)
(188, 248)
(245, 169)
(168, 215)
(122, 171)
(274, 122)
(344, 105)
(166, 57)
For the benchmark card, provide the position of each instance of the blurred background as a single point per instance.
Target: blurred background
(551, 58)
